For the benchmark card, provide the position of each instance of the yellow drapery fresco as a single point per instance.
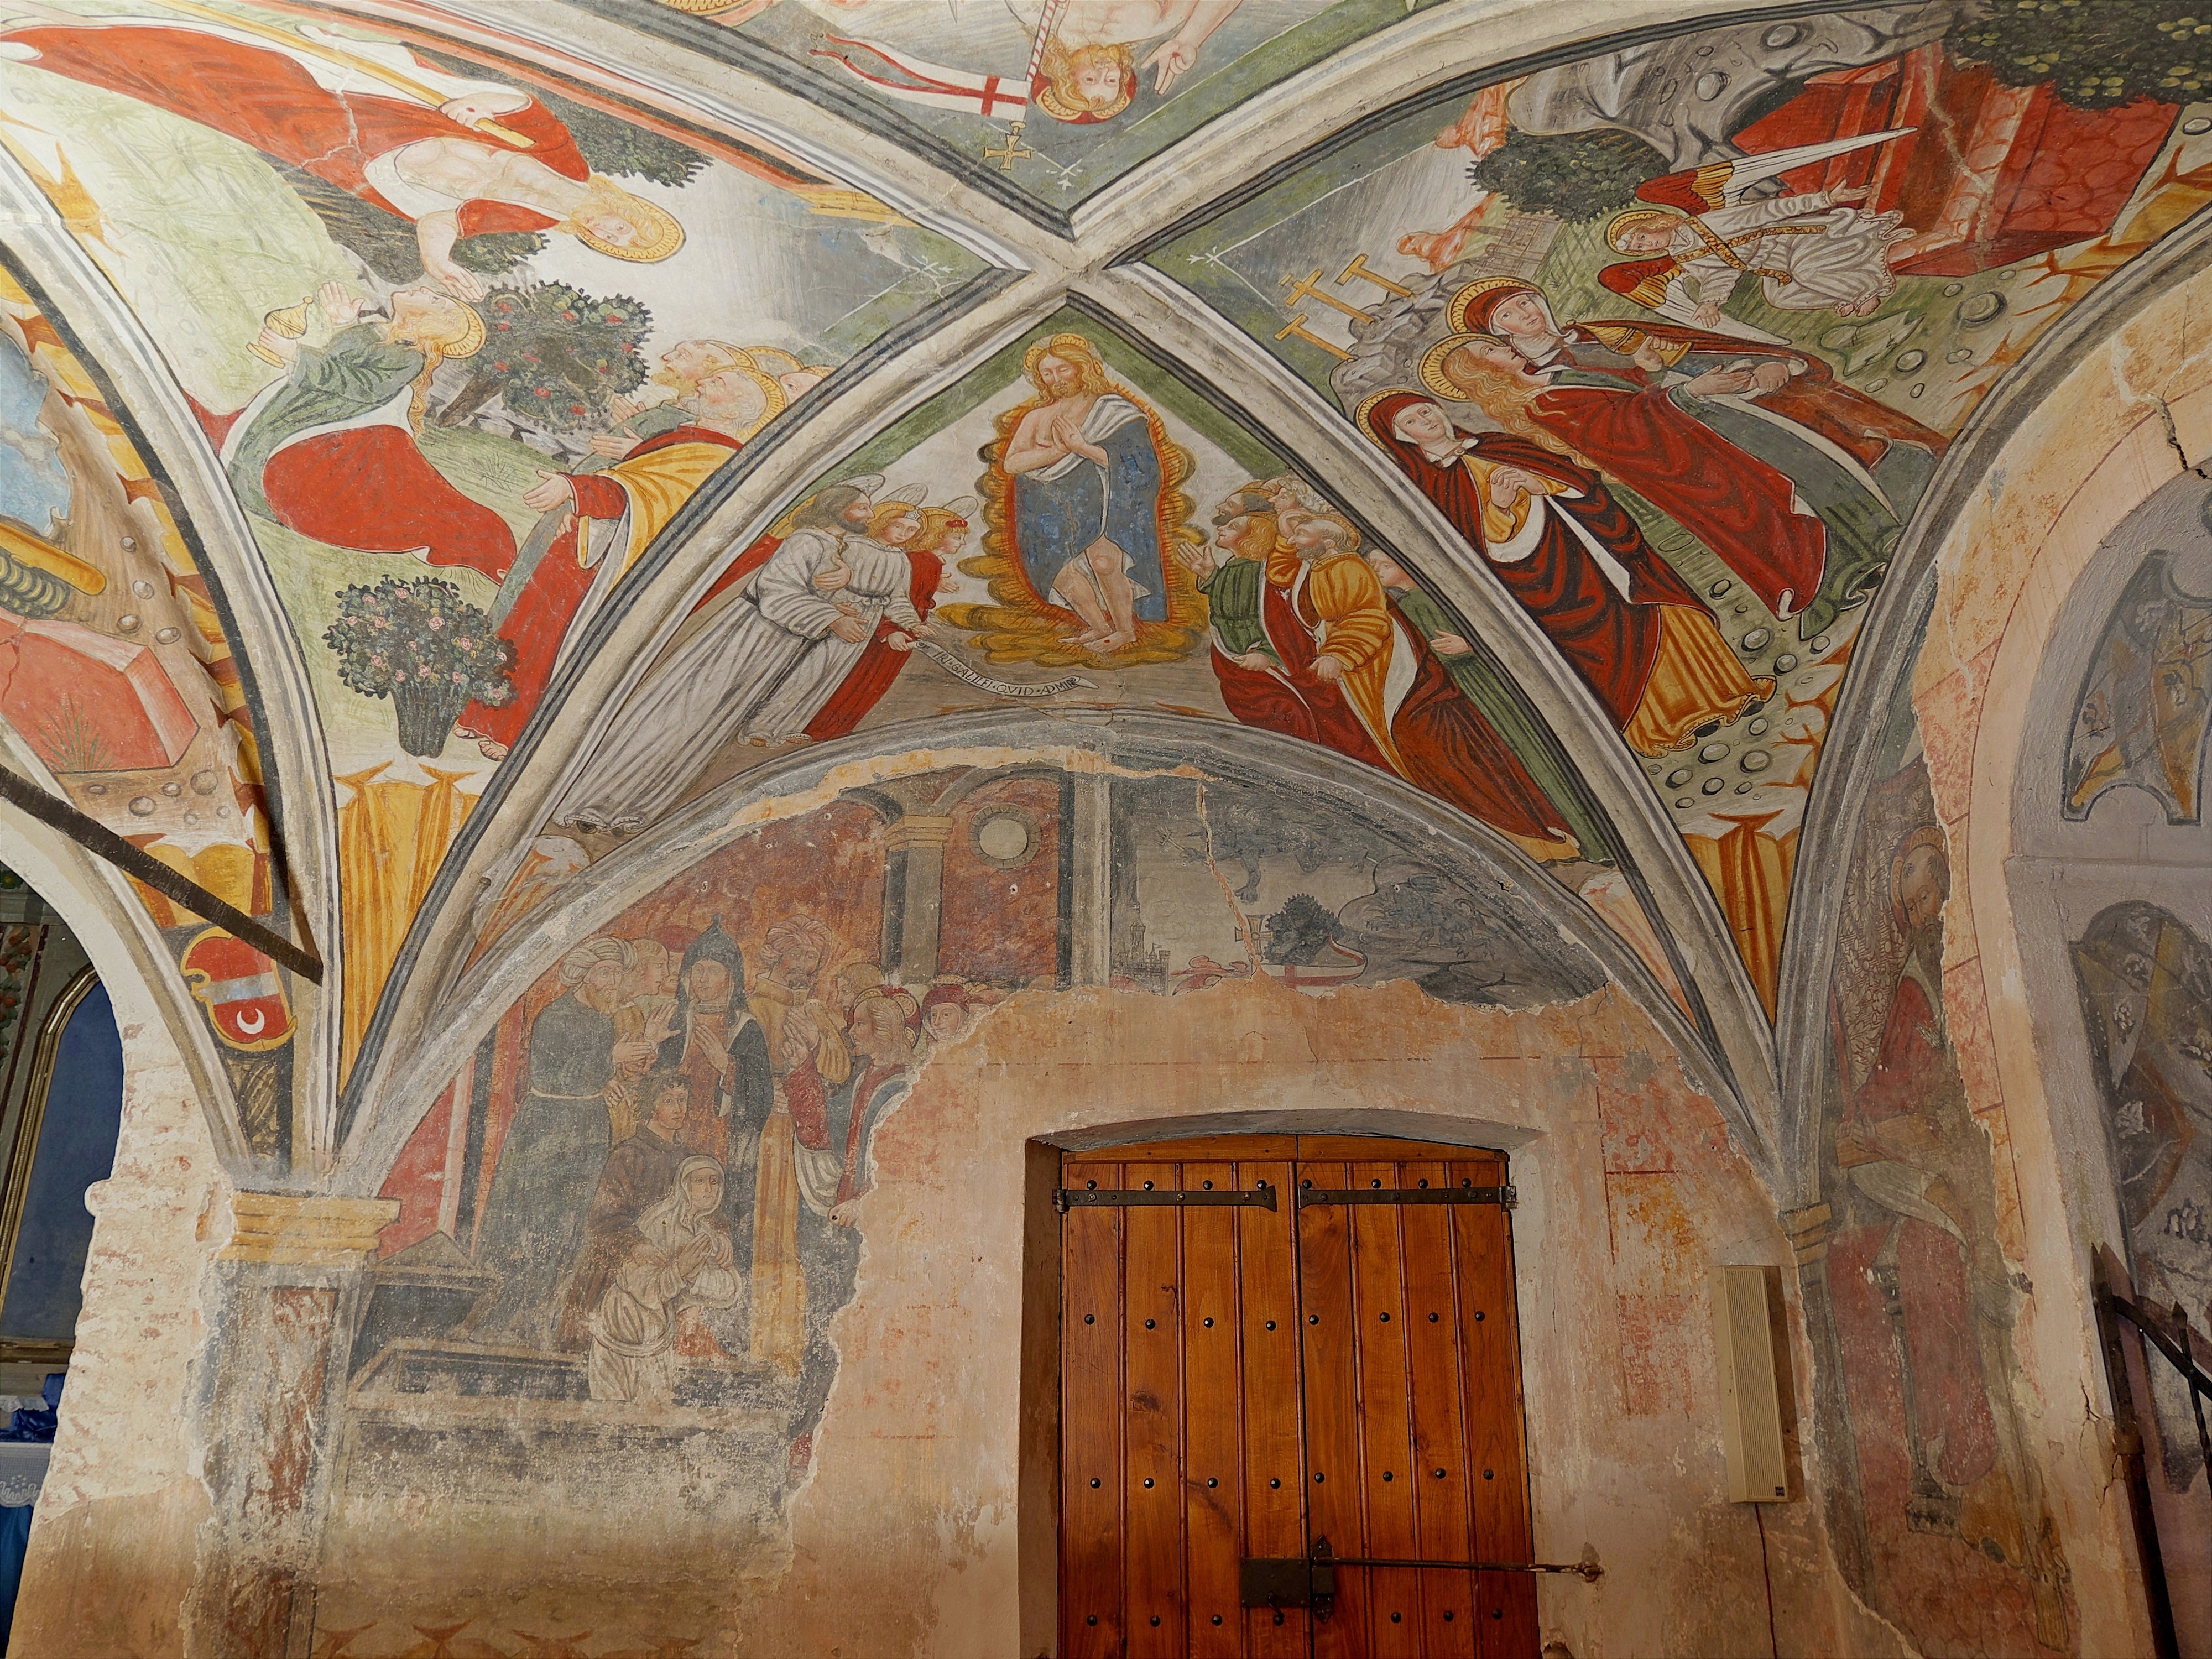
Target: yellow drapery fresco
(392, 836)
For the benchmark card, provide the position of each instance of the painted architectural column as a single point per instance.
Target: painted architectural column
(914, 905)
(272, 1382)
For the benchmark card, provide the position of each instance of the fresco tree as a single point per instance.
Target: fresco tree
(1573, 176)
(556, 355)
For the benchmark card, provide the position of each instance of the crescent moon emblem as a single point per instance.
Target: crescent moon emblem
(252, 1024)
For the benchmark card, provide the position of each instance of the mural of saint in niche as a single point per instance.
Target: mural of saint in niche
(2146, 984)
(1941, 1498)
(2146, 700)
(1083, 503)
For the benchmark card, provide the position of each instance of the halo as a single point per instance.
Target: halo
(1363, 416)
(661, 233)
(471, 342)
(1465, 299)
(1433, 377)
(1621, 223)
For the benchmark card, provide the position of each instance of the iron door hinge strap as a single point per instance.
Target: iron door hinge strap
(1506, 1197)
(1069, 1198)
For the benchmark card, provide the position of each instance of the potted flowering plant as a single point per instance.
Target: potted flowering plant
(427, 648)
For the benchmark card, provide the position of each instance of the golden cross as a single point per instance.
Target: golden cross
(1297, 326)
(1015, 151)
(1308, 289)
(1358, 268)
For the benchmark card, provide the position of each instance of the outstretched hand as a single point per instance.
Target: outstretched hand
(461, 285)
(1169, 60)
(338, 305)
(555, 491)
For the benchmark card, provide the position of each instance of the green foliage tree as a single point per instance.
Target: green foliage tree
(554, 355)
(1573, 176)
(611, 145)
(2095, 53)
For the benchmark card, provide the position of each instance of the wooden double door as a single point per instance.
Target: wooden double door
(1276, 1349)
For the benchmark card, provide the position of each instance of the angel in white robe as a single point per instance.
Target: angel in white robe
(761, 669)
(1704, 233)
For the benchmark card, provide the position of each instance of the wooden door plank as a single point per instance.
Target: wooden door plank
(1153, 1609)
(1329, 1330)
(1213, 1432)
(1220, 1149)
(1497, 1453)
(1448, 1621)
(1274, 1447)
(1387, 1476)
(1091, 1395)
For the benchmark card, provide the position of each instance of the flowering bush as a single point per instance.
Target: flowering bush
(554, 355)
(421, 636)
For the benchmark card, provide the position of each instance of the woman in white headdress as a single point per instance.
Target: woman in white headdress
(684, 1262)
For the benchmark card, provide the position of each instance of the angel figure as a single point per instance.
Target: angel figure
(1704, 233)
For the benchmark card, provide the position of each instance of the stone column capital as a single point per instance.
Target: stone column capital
(302, 1230)
(917, 830)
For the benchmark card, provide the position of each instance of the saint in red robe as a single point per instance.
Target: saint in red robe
(1396, 708)
(268, 99)
(540, 617)
(1609, 639)
(865, 683)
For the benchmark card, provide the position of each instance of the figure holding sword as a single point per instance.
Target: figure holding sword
(455, 156)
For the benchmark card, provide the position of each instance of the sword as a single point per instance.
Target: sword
(960, 670)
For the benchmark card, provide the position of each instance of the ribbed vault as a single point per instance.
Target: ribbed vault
(801, 187)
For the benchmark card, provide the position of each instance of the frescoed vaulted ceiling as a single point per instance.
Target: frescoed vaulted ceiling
(458, 456)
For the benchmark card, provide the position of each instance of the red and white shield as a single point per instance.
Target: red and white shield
(245, 998)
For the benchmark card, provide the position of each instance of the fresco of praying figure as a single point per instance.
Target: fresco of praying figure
(1086, 478)
(764, 668)
(638, 1172)
(682, 1262)
(330, 450)
(1798, 483)
(458, 157)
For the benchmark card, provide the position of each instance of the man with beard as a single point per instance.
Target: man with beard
(1232, 574)
(598, 524)
(556, 1149)
(762, 667)
(1799, 485)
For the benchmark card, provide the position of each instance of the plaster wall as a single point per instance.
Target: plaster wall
(113, 1546)
(908, 1534)
(2127, 420)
